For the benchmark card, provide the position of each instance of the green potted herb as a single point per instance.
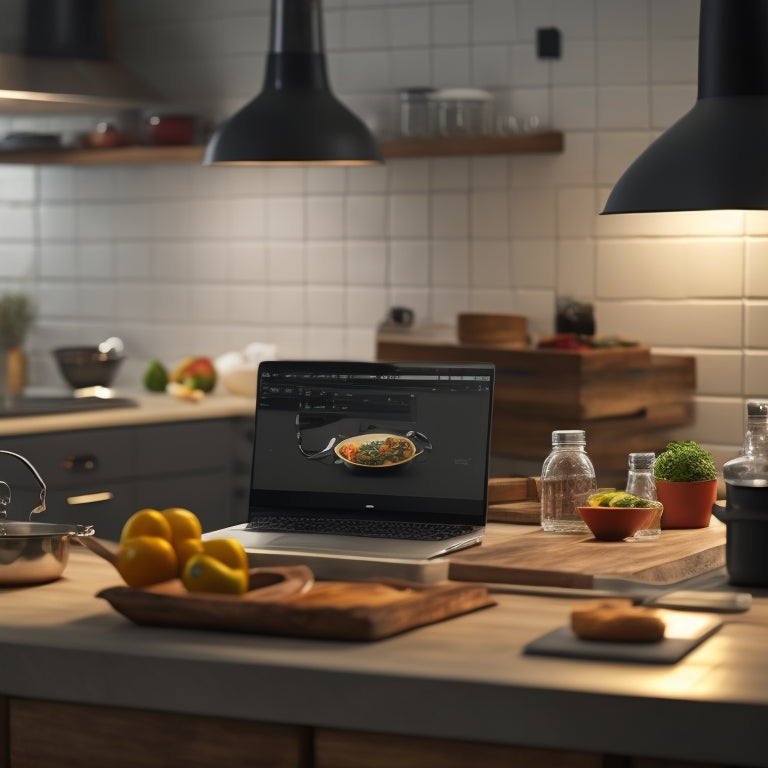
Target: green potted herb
(686, 484)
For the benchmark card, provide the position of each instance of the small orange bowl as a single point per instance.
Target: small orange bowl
(616, 523)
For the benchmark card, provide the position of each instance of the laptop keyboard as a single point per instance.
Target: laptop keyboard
(379, 529)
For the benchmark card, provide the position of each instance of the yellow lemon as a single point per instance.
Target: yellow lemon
(184, 524)
(185, 549)
(145, 560)
(146, 522)
(229, 551)
(206, 573)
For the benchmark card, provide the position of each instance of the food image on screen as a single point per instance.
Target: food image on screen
(378, 450)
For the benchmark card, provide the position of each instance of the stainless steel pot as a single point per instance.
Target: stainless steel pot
(30, 552)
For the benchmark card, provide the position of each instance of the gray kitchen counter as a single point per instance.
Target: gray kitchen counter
(150, 408)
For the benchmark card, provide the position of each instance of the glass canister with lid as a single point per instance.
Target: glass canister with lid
(463, 111)
(417, 112)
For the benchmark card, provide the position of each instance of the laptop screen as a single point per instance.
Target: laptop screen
(400, 441)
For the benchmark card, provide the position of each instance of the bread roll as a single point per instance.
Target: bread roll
(617, 620)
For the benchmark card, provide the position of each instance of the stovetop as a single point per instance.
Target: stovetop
(42, 406)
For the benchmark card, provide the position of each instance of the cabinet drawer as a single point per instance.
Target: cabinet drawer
(105, 507)
(69, 459)
(183, 447)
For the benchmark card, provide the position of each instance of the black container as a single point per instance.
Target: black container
(746, 537)
(84, 367)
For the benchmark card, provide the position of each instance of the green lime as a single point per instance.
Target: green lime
(156, 377)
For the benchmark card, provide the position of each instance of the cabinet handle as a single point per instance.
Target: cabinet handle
(90, 498)
(86, 462)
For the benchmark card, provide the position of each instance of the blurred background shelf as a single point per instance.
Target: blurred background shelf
(400, 148)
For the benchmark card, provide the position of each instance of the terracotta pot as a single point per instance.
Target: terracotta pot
(686, 505)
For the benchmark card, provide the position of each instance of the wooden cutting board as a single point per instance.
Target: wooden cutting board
(577, 560)
(331, 610)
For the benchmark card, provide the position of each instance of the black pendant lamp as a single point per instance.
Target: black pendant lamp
(715, 156)
(295, 120)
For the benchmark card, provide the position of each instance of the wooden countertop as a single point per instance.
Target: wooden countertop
(465, 678)
(150, 409)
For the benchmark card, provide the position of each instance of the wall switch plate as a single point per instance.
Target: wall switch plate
(548, 43)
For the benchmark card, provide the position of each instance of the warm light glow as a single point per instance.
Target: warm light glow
(89, 498)
(294, 163)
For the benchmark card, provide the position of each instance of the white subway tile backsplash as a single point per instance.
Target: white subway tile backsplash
(493, 21)
(623, 107)
(451, 66)
(622, 19)
(409, 175)
(622, 62)
(451, 23)
(409, 262)
(575, 266)
(17, 261)
(532, 264)
(674, 19)
(286, 305)
(755, 374)
(366, 306)
(489, 215)
(532, 213)
(450, 263)
(57, 260)
(326, 305)
(17, 183)
(247, 262)
(674, 60)
(325, 218)
(285, 262)
(578, 63)
(326, 262)
(756, 324)
(718, 372)
(285, 218)
(756, 278)
(450, 215)
(56, 222)
(409, 216)
(490, 264)
(367, 216)
(366, 262)
(574, 108)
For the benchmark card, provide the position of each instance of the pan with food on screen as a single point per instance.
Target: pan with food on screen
(376, 451)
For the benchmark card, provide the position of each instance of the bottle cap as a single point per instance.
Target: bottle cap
(569, 437)
(641, 460)
(757, 408)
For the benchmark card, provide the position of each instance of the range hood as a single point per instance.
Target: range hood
(66, 64)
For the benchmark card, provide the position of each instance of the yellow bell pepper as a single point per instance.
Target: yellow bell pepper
(205, 573)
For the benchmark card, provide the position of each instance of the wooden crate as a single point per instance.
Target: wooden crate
(626, 398)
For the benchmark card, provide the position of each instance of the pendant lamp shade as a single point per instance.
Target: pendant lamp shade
(716, 155)
(295, 119)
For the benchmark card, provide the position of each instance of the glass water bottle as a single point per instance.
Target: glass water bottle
(640, 482)
(751, 468)
(567, 473)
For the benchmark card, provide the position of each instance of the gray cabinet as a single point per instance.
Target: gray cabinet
(102, 476)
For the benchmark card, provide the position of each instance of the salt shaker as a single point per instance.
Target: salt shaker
(566, 474)
(640, 483)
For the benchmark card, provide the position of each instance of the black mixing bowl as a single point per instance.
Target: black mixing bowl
(86, 366)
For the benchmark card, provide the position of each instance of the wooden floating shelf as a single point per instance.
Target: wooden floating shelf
(399, 148)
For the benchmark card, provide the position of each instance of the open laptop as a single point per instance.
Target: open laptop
(385, 460)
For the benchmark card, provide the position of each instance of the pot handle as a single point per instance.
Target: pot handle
(723, 514)
(41, 506)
